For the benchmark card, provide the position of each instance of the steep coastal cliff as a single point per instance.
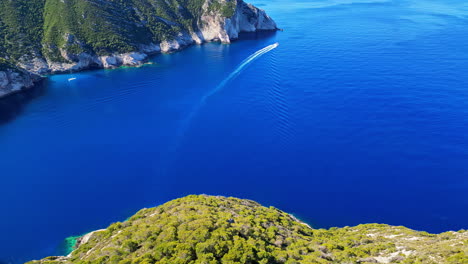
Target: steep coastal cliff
(208, 229)
(54, 36)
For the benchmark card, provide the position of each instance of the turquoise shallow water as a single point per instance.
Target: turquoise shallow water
(359, 115)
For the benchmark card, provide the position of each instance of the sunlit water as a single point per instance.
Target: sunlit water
(359, 115)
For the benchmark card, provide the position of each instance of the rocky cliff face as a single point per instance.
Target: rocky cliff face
(212, 26)
(14, 80)
(75, 35)
(246, 18)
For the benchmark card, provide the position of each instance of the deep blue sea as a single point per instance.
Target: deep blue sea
(360, 115)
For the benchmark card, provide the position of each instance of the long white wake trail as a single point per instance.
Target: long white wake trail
(238, 70)
(234, 74)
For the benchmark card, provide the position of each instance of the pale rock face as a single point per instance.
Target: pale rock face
(37, 65)
(265, 22)
(198, 37)
(182, 40)
(130, 59)
(78, 62)
(86, 61)
(134, 58)
(150, 49)
(15, 81)
(168, 46)
(212, 27)
(253, 19)
(246, 18)
(109, 61)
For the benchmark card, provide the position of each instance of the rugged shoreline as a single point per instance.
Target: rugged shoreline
(213, 26)
(23, 84)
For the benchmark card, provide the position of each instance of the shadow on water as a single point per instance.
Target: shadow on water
(13, 105)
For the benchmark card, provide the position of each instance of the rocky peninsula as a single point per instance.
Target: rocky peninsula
(40, 37)
(213, 229)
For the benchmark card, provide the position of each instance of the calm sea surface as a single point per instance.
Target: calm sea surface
(360, 115)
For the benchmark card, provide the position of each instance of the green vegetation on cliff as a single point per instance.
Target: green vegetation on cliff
(50, 28)
(20, 28)
(211, 230)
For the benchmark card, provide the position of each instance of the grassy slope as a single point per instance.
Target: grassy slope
(205, 229)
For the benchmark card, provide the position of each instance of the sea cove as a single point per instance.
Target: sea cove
(359, 115)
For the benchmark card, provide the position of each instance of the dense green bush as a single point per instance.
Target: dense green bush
(21, 27)
(214, 230)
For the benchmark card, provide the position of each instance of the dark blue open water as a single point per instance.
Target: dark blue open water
(360, 115)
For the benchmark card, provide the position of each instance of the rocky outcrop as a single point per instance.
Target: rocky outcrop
(14, 80)
(247, 18)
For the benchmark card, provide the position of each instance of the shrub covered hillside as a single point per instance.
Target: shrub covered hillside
(210, 230)
(55, 35)
(33, 27)
(20, 28)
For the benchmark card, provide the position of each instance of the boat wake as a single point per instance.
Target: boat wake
(239, 69)
(186, 123)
